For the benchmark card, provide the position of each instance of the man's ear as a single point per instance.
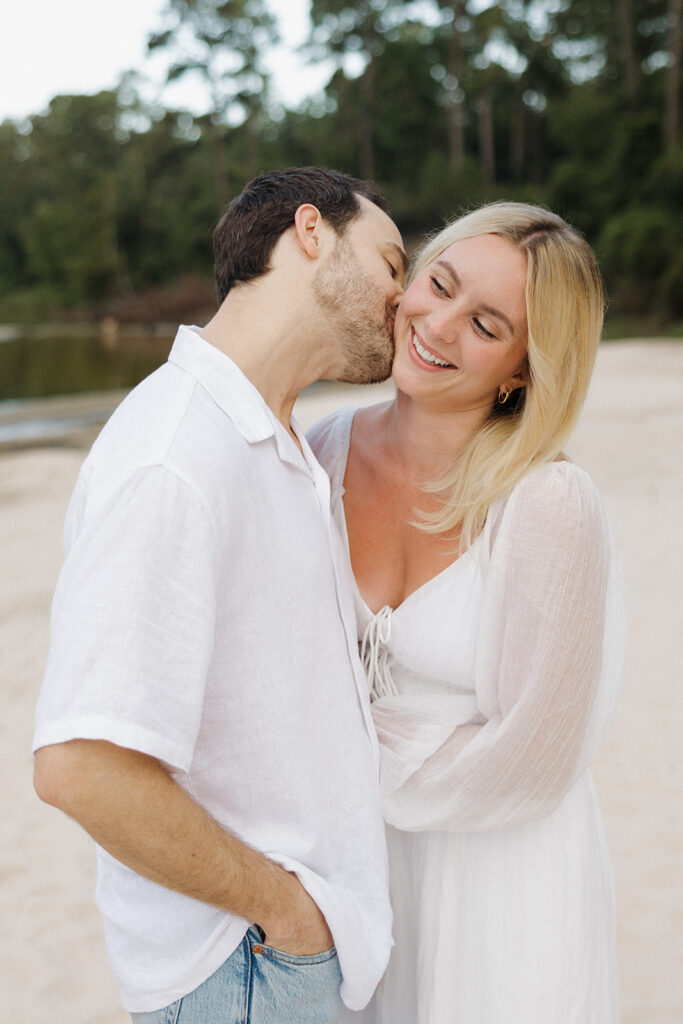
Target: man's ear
(308, 223)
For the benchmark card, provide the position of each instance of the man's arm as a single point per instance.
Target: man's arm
(132, 807)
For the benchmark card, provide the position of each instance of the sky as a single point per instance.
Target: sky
(48, 47)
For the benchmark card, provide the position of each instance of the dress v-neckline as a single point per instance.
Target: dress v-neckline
(466, 555)
(413, 593)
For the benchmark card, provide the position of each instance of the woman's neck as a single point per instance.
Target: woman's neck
(425, 442)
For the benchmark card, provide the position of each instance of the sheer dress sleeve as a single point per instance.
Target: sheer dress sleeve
(549, 658)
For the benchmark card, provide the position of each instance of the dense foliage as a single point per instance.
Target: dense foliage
(571, 103)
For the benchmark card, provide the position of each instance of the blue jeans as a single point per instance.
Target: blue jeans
(260, 985)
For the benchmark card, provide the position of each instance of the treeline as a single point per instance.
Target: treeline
(446, 103)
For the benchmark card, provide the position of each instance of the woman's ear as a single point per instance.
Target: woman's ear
(520, 379)
(308, 224)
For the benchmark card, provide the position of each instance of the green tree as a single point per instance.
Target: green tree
(363, 29)
(538, 79)
(457, 32)
(616, 41)
(495, 77)
(167, 204)
(69, 232)
(673, 84)
(222, 42)
(468, 83)
(642, 261)
(457, 102)
(15, 202)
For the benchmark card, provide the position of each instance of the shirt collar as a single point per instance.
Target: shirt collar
(224, 381)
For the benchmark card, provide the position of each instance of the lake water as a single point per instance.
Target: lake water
(62, 381)
(71, 359)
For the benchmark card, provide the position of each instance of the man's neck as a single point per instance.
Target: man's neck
(272, 342)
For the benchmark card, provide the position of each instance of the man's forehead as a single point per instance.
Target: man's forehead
(370, 211)
(380, 223)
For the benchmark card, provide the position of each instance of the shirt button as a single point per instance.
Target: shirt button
(258, 949)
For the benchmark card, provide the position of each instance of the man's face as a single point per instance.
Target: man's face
(358, 289)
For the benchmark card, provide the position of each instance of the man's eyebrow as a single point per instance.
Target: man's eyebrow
(491, 310)
(405, 263)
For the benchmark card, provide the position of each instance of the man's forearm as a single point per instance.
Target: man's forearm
(132, 807)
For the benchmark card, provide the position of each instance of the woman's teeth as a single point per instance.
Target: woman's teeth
(427, 355)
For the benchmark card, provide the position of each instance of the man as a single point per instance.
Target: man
(204, 714)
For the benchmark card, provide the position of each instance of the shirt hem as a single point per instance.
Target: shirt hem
(158, 999)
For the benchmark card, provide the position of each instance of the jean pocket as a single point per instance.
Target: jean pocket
(291, 958)
(168, 1015)
(294, 989)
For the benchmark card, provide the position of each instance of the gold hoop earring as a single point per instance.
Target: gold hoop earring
(503, 395)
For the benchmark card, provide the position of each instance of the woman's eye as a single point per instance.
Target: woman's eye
(480, 327)
(438, 286)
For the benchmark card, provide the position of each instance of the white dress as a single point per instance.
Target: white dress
(493, 686)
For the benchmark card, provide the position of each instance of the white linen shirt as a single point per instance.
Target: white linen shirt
(204, 616)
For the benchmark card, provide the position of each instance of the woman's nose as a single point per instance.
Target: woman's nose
(442, 325)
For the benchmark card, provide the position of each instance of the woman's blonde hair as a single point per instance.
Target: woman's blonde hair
(564, 309)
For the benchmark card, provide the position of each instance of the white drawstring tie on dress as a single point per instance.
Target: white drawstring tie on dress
(375, 655)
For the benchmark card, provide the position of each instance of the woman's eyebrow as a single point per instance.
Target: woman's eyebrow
(450, 271)
(491, 310)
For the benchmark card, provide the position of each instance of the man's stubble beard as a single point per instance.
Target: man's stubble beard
(358, 312)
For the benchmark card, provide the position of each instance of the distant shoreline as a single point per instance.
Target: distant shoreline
(75, 419)
(66, 419)
(71, 420)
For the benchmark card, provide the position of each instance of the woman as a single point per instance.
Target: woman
(489, 608)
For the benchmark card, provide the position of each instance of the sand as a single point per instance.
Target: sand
(53, 964)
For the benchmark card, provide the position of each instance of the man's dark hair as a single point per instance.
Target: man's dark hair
(249, 229)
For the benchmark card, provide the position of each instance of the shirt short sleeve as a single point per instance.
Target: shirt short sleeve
(133, 620)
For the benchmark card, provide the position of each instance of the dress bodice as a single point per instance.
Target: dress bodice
(415, 647)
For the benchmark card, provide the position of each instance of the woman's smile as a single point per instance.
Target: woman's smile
(425, 356)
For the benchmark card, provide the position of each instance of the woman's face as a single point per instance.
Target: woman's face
(461, 325)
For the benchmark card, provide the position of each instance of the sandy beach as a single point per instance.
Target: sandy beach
(53, 965)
